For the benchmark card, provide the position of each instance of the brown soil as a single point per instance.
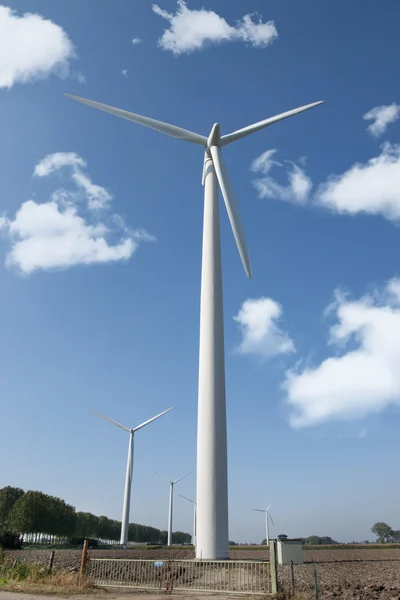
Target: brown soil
(347, 574)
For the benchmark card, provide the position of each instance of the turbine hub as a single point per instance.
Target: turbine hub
(214, 139)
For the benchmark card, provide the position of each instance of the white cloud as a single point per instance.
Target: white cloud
(363, 377)
(381, 117)
(56, 161)
(261, 335)
(54, 235)
(31, 47)
(80, 77)
(45, 236)
(296, 190)
(191, 30)
(136, 41)
(373, 187)
(264, 163)
(96, 195)
(124, 72)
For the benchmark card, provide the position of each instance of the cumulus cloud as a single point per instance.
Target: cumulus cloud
(296, 190)
(124, 72)
(67, 230)
(372, 187)
(363, 376)
(31, 47)
(136, 41)
(191, 30)
(96, 195)
(261, 335)
(381, 117)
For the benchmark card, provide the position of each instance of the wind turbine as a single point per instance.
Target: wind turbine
(129, 470)
(267, 517)
(212, 476)
(171, 501)
(194, 502)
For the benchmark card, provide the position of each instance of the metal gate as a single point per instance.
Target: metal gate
(233, 576)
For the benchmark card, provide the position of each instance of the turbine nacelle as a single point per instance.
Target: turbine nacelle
(214, 139)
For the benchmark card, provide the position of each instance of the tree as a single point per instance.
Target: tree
(383, 532)
(326, 541)
(86, 525)
(180, 538)
(28, 513)
(396, 536)
(313, 540)
(163, 537)
(8, 497)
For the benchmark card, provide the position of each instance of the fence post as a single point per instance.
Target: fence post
(292, 577)
(273, 565)
(317, 588)
(51, 560)
(84, 558)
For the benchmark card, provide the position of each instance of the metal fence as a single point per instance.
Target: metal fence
(242, 577)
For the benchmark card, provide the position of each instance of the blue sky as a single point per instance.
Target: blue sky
(101, 251)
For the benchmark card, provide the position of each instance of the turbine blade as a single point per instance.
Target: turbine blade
(180, 478)
(272, 521)
(231, 207)
(240, 133)
(152, 419)
(259, 510)
(269, 506)
(172, 130)
(111, 421)
(162, 477)
(188, 499)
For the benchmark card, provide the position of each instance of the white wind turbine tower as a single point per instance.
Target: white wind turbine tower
(171, 501)
(194, 502)
(129, 470)
(267, 518)
(212, 477)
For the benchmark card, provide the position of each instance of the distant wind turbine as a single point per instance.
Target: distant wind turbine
(129, 470)
(212, 465)
(171, 501)
(267, 517)
(194, 502)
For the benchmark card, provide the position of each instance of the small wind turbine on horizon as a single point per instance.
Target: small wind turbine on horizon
(194, 502)
(171, 501)
(267, 518)
(212, 462)
(129, 469)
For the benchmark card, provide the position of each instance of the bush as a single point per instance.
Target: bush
(10, 540)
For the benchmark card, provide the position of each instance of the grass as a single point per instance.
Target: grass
(20, 577)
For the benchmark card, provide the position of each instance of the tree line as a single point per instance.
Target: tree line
(40, 517)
